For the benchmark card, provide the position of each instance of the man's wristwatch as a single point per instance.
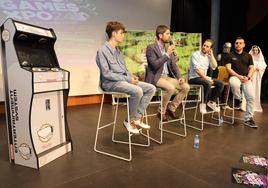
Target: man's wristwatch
(248, 77)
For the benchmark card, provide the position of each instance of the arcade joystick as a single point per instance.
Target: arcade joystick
(22, 37)
(25, 63)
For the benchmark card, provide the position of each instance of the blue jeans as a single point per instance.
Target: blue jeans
(209, 93)
(247, 89)
(140, 96)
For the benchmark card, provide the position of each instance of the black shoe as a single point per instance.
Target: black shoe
(237, 104)
(172, 114)
(250, 123)
(164, 117)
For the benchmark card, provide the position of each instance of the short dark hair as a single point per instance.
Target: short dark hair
(160, 30)
(113, 26)
(211, 41)
(239, 38)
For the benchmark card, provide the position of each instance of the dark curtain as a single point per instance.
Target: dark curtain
(248, 19)
(191, 16)
(245, 18)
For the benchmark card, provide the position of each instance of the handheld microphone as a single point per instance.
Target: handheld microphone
(171, 43)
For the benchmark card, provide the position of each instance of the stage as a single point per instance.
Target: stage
(175, 163)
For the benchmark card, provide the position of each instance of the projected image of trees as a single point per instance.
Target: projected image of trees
(135, 43)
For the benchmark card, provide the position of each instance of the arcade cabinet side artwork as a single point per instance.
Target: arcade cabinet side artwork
(36, 93)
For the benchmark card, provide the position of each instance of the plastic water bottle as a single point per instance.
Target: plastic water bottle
(196, 141)
(221, 120)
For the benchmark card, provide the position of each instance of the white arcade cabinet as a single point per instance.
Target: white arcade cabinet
(36, 92)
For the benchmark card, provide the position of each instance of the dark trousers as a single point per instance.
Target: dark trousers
(224, 95)
(209, 93)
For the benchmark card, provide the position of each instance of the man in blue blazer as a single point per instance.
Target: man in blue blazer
(163, 72)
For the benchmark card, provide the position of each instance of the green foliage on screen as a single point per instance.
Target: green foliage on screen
(135, 43)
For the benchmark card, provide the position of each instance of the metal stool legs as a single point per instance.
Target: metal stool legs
(232, 117)
(198, 101)
(161, 123)
(224, 120)
(129, 142)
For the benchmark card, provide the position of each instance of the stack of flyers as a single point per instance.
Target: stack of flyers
(255, 160)
(249, 178)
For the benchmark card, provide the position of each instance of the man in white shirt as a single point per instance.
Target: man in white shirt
(200, 62)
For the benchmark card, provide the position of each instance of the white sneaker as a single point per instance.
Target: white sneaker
(141, 124)
(213, 106)
(131, 127)
(226, 107)
(203, 109)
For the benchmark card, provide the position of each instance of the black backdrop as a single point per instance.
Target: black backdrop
(245, 18)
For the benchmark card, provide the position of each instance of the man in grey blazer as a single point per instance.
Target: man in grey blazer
(163, 72)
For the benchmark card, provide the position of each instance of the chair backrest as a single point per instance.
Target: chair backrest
(223, 74)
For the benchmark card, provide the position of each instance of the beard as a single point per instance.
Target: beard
(165, 41)
(204, 51)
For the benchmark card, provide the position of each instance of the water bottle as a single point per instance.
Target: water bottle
(196, 141)
(221, 120)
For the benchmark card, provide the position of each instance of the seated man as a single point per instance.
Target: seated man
(163, 72)
(115, 77)
(240, 66)
(200, 61)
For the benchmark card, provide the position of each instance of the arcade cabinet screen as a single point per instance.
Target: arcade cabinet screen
(34, 54)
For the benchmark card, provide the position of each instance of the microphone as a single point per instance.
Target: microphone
(171, 43)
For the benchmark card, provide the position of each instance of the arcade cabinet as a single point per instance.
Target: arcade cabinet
(36, 92)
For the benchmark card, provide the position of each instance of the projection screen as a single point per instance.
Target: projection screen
(80, 25)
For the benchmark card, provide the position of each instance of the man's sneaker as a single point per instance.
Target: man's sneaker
(237, 104)
(140, 123)
(131, 127)
(250, 123)
(226, 107)
(213, 106)
(203, 109)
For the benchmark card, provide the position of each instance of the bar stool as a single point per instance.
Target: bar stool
(181, 121)
(198, 101)
(232, 116)
(224, 76)
(113, 123)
